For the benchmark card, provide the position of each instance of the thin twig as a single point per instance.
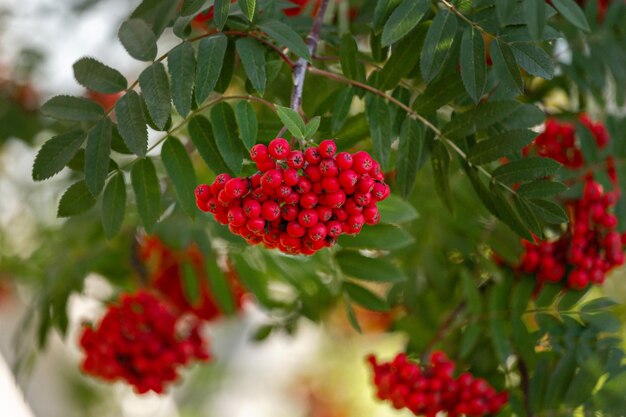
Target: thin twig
(443, 329)
(525, 385)
(299, 70)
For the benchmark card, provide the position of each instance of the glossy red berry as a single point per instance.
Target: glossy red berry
(312, 156)
(259, 153)
(279, 149)
(295, 159)
(327, 148)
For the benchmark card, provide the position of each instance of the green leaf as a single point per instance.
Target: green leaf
(311, 127)
(97, 156)
(472, 296)
(498, 332)
(155, 88)
(438, 44)
(560, 379)
(147, 192)
(252, 55)
(72, 108)
(528, 216)
(368, 269)
(503, 209)
(131, 123)
(221, 11)
(403, 59)
(410, 149)
(597, 304)
(438, 93)
(380, 122)
(180, 169)
(382, 11)
(525, 170)
(548, 211)
(548, 294)
(582, 385)
(190, 7)
(394, 210)
(470, 337)
(523, 117)
(191, 283)
(505, 10)
(521, 296)
(473, 65)
(354, 321)
(481, 117)
(247, 123)
(342, 108)
(365, 297)
(96, 76)
(76, 199)
(56, 153)
(201, 134)
(181, 63)
(113, 205)
(248, 7)
(211, 52)
(381, 237)
(534, 60)
(224, 127)
(138, 39)
(540, 189)
(505, 65)
(404, 18)
(499, 146)
(292, 121)
(535, 16)
(286, 36)
(571, 12)
(348, 54)
(440, 162)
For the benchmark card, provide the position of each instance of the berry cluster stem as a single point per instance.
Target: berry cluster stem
(300, 68)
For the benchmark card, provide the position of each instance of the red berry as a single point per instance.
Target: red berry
(308, 200)
(324, 213)
(203, 192)
(329, 168)
(295, 159)
(317, 232)
(330, 184)
(252, 208)
(236, 216)
(312, 156)
(344, 160)
(295, 229)
(348, 179)
(259, 153)
(270, 210)
(307, 217)
(289, 212)
(327, 148)
(362, 162)
(279, 149)
(271, 179)
(236, 188)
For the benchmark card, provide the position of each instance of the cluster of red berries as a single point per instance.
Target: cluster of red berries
(164, 269)
(142, 342)
(588, 251)
(432, 388)
(298, 202)
(558, 141)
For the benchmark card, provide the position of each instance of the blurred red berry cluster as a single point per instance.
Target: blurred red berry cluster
(165, 273)
(588, 251)
(298, 202)
(432, 388)
(141, 341)
(558, 141)
(591, 247)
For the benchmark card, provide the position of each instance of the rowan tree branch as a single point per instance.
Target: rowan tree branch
(300, 68)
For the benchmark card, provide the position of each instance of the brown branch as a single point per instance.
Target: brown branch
(443, 329)
(413, 114)
(300, 69)
(525, 385)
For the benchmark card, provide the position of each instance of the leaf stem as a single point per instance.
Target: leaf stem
(443, 329)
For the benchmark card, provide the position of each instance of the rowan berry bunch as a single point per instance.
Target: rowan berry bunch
(164, 268)
(591, 248)
(432, 388)
(298, 202)
(141, 342)
(558, 141)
